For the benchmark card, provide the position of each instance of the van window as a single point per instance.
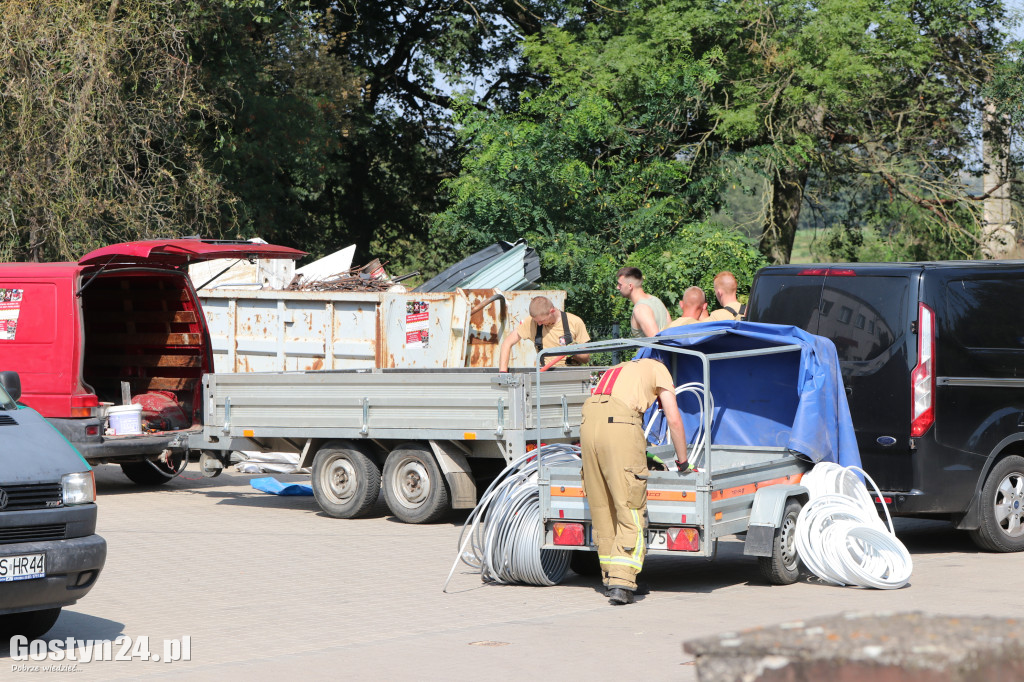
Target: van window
(786, 299)
(985, 313)
(863, 315)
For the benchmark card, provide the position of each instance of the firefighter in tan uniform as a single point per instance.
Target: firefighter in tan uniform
(615, 465)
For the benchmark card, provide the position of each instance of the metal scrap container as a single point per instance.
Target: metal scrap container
(273, 331)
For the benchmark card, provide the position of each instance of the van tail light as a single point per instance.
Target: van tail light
(922, 379)
(831, 272)
(82, 405)
(570, 534)
(682, 539)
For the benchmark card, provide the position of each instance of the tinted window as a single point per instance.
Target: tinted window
(863, 315)
(786, 299)
(985, 313)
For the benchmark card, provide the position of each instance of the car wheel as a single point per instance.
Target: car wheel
(29, 624)
(1002, 508)
(152, 472)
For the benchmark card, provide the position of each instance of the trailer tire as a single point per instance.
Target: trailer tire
(414, 487)
(150, 472)
(1002, 495)
(346, 482)
(783, 566)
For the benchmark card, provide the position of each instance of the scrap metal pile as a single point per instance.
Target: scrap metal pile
(369, 278)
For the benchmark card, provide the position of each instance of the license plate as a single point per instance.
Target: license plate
(22, 567)
(656, 539)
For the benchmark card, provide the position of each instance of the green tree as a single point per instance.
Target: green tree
(95, 145)
(597, 170)
(840, 90)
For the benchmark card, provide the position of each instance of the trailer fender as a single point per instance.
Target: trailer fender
(309, 451)
(766, 516)
(456, 471)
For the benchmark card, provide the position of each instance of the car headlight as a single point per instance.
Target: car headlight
(78, 488)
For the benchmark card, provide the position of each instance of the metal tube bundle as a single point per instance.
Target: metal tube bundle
(504, 533)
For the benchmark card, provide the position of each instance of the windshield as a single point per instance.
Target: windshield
(5, 400)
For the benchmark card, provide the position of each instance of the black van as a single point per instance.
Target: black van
(932, 355)
(50, 555)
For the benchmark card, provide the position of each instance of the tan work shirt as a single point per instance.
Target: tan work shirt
(680, 321)
(726, 314)
(554, 335)
(639, 382)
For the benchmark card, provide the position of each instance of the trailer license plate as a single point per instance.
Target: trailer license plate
(23, 567)
(656, 539)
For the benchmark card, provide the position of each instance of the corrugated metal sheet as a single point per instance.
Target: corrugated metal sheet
(462, 272)
(504, 272)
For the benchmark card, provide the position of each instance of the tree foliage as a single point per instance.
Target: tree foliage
(97, 104)
(883, 93)
(596, 171)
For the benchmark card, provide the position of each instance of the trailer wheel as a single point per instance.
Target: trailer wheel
(346, 482)
(151, 472)
(783, 566)
(414, 487)
(1002, 506)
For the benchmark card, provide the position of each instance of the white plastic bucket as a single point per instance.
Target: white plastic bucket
(125, 419)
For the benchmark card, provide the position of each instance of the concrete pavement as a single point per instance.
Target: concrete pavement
(268, 586)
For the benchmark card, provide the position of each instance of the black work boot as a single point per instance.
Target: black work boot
(617, 596)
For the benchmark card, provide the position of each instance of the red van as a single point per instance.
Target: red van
(122, 322)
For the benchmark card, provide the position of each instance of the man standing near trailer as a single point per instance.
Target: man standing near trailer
(649, 314)
(547, 327)
(615, 470)
(730, 306)
(693, 306)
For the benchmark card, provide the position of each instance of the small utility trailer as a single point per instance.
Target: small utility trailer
(424, 436)
(777, 407)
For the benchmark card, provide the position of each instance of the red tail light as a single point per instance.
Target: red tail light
(570, 534)
(831, 272)
(683, 539)
(82, 404)
(922, 379)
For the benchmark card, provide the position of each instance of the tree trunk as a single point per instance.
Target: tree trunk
(783, 213)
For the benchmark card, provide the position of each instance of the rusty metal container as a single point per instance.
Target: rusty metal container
(273, 331)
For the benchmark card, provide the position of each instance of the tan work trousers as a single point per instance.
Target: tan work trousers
(615, 483)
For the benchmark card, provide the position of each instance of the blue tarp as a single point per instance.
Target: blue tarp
(794, 400)
(276, 487)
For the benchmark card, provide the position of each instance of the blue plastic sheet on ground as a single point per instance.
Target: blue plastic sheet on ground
(275, 487)
(794, 399)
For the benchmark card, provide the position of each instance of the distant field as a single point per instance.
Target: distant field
(802, 247)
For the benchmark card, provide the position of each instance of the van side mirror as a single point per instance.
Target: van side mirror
(12, 384)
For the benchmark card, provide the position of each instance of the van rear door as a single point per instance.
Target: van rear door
(866, 313)
(864, 310)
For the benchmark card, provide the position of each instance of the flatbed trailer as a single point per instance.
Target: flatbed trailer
(424, 436)
(748, 490)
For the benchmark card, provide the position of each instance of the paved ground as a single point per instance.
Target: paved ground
(268, 587)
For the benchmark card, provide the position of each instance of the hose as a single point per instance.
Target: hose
(841, 539)
(504, 533)
(696, 445)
